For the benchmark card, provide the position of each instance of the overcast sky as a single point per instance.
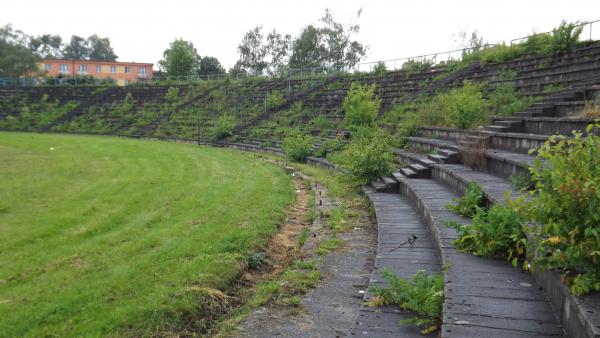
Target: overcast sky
(141, 30)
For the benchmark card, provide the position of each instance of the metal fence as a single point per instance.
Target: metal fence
(439, 58)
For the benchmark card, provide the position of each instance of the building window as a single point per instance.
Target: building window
(113, 69)
(48, 67)
(63, 68)
(98, 69)
(142, 70)
(82, 69)
(127, 69)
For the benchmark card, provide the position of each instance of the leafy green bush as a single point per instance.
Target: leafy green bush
(255, 259)
(329, 146)
(566, 205)
(171, 96)
(504, 100)
(472, 200)
(369, 157)
(127, 106)
(360, 106)
(223, 126)
(414, 65)
(405, 120)
(321, 122)
(298, 147)
(565, 37)
(465, 107)
(275, 99)
(496, 232)
(380, 69)
(423, 294)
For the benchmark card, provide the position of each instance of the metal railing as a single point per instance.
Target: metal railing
(434, 58)
(587, 30)
(430, 60)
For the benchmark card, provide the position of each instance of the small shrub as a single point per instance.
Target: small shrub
(565, 37)
(504, 100)
(369, 157)
(413, 65)
(360, 106)
(127, 106)
(473, 156)
(255, 259)
(521, 182)
(329, 146)
(472, 200)
(496, 232)
(303, 236)
(223, 126)
(380, 69)
(592, 108)
(423, 294)
(565, 203)
(322, 122)
(171, 96)
(298, 147)
(275, 99)
(465, 107)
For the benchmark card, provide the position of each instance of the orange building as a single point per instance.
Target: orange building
(122, 72)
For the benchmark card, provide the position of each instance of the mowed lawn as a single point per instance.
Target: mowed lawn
(104, 236)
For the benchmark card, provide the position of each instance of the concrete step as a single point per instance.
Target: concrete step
(408, 172)
(397, 176)
(485, 297)
(497, 129)
(378, 186)
(391, 185)
(528, 114)
(438, 158)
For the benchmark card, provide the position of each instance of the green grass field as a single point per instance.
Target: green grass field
(104, 236)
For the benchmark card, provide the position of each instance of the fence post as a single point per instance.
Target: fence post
(289, 85)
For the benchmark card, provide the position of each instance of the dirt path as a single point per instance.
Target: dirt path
(330, 309)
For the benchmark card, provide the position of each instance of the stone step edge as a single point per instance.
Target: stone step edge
(572, 313)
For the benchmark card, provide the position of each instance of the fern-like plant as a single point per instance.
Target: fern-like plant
(422, 294)
(469, 203)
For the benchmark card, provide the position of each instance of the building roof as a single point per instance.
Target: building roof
(98, 61)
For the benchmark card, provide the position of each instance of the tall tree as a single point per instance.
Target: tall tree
(77, 49)
(307, 49)
(330, 44)
(46, 46)
(100, 49)
(341, 51)
(278, 50)
(16, 59)
(180, 59)
(252, 53)
(210, 65)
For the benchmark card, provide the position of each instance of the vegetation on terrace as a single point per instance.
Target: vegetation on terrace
(114, 237)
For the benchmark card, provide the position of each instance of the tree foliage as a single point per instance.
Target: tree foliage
(92, 48)
(16, 59)
(180, 59)
(46, 46)
(329, 44)
(566, 205)
(100, 49)
(360, 106)
(210, 65)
